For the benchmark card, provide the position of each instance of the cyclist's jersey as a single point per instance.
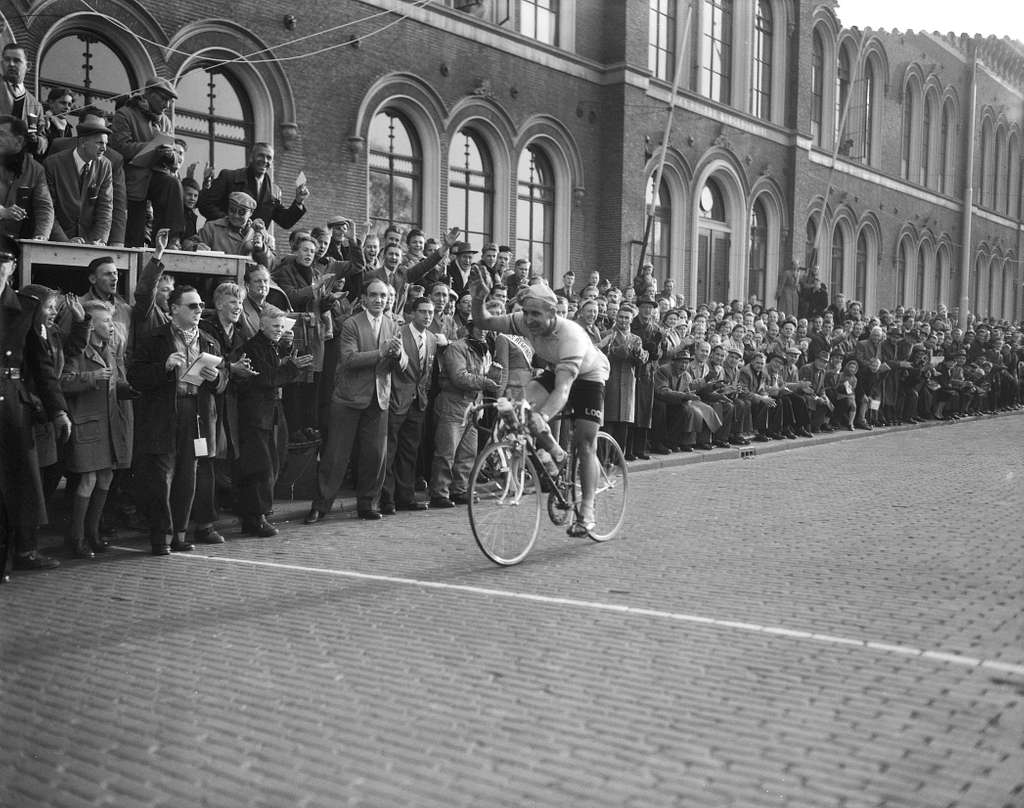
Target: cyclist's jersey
(567, 347)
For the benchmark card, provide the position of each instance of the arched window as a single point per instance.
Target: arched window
(214, 117)
(811, 242)
(661, 48)
(942, 277)
(986, 163)
(396, 171)
(869, 112)
(716, 50)
(999, 174)
(995, 284)
(660, 246)
(902, 260)
(860, 283)
(470, 187)
(942, 158)
(817, 86)
(90, 67)
(835, 279)
(1013, 167)
(924, 176)
(980, 263)
(922, 262)
(757, 271)
(761, 80)
(535, 209)
(843, 76)
(906, 152)
(949, 127)
(1009, 298)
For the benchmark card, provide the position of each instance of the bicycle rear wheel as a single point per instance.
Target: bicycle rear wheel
(611, 489)
(505, 502)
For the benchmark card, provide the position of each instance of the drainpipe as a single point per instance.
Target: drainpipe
(967, 213)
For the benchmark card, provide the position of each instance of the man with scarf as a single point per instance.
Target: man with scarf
(177, 414)
(139, 126)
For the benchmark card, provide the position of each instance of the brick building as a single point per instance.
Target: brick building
(892, 160)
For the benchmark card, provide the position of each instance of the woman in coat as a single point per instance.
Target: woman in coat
(101, 435)
(625, 355)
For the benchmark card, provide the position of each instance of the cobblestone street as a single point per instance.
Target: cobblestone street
(838, 624)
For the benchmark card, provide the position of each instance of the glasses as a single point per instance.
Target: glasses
(193, 306)
(237, 209)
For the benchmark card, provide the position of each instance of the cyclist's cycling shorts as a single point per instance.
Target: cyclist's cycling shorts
(586, 398)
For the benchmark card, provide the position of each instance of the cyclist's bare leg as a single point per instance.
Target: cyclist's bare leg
(537, 395)
(584, 438)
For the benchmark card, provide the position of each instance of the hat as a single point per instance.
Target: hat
(735, 351)
(242, 198)
(627, 306)
(504, 248)
(462, 248)
(794, 351)
(336, 219)
(92, 123)
(162, 85)
(683, 351)
(646, 300)
(776, 355)
(825, 353)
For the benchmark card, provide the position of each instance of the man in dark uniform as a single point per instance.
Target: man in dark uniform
(23, 359)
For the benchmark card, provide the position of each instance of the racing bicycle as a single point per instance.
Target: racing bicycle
(509, 484)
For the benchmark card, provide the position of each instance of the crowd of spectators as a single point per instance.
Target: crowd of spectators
(362, 345)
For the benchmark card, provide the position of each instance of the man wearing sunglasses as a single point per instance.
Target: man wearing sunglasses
(238, 233)
(177, 414)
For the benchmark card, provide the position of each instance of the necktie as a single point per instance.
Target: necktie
(375, 325)
(83, 178)
(422, 347)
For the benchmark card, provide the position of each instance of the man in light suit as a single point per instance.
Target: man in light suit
(410, 388)
(371, 346)
(82, 187)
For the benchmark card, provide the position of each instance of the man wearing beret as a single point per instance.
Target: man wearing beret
(254, 179)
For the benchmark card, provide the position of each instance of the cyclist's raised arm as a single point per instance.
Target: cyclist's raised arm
(479, 288)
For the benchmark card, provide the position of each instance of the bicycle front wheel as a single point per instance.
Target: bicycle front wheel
(505, 502)
(610, 491)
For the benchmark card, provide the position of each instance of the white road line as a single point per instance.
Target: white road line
(796, 634)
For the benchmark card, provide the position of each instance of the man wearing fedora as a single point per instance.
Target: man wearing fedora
(81, 185)
(137, 124)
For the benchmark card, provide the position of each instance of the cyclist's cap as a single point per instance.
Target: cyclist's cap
(541, 293)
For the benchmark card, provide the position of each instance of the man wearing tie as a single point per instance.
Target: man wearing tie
(817, 398)
(371, 347)
(410, 387)
(81, 185)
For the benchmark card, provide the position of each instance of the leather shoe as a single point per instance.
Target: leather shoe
(369, 515)
(208, 536)
(388, 510)
(412, 506)
(463, 499)
(790, 434)
(441, 502)
(179, 546)
(827, 428)
(707, 447)
(34, 561)
(80, 549)
(160, 549)
(761, 437)
(685, 448)
(722, 444)
(804, 432)
(262, 528)
(642, 456)
(315, 515)
(739, 440)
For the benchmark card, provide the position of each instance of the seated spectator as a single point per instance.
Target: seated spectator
(96, 388)
(816, 397)
(26, 209)
(237, 233)
(81, 184)
(140, 125)
(842, 391)
(764, 408)
(686, 416)
(254, 180)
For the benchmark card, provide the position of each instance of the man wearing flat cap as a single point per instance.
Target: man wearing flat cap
(236, 234)
(254, 179)
(81, 185)
(138, 128)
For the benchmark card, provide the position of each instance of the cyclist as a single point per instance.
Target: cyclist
(575, 376)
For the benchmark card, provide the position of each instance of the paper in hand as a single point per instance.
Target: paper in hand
(289, 323)
(300, 180)
(204, 360)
